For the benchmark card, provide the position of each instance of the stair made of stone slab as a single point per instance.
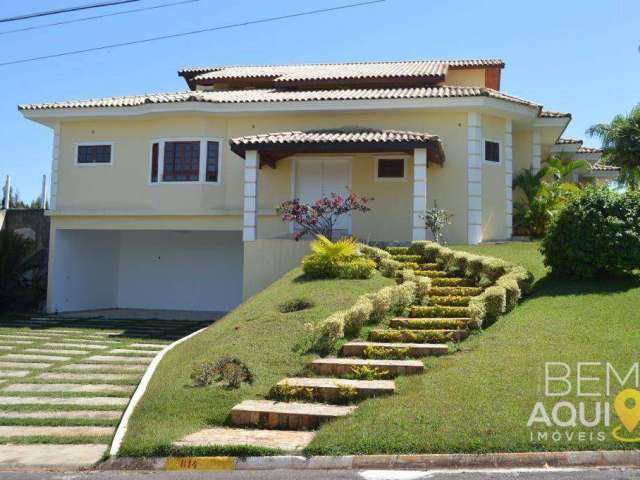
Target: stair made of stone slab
(345, 366)
(418, 336)
(332, 390)
(430, 323)
(416, 350)
(286, 415)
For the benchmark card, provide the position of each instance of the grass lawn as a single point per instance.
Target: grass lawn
(259, 335)
(480, 399)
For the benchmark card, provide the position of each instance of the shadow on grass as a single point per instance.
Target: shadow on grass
(553, 286)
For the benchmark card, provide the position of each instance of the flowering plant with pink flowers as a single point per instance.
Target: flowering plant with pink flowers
(320, 217)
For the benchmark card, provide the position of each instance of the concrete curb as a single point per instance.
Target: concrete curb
(613, 458)
(116, 443)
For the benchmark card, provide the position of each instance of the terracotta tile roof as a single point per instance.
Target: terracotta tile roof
(589, 150)
(273, 95)
(344, 138)
(568, 141)
(602, 167)
(550, 114)
(435, 69)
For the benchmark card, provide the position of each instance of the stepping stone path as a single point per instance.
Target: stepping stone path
(71, 380)
(303, 404)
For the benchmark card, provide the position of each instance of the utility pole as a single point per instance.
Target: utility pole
(7, 193)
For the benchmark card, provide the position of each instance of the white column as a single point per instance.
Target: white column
(43, 193)
(55, 160)
(419, 193)
(6, 198)
(536, 153)
(474, 178)
(508, 178)
(251, 162)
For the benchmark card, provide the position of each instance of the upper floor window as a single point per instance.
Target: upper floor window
(94, 153)
(391, 168)
(491, 151)
(188, 160)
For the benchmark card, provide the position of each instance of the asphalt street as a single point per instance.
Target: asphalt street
(519, 474)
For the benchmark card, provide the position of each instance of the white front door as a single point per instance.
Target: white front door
(321, 176)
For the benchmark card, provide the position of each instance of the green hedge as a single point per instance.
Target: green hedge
(450, 300)
(415, 336)
(461, 291)
(429, 324)
(439, 312)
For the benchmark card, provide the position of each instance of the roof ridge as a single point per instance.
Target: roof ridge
(360, 62)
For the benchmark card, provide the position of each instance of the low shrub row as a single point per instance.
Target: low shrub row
(429, 323)
(457, 291)
(450, 300)
(439, 312)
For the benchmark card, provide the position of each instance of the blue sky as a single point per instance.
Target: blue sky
(581, 57)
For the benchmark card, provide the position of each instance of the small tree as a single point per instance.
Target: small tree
(320, 217)
(435, 220)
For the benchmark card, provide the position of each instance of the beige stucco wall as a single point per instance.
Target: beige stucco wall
(522, 155)
(494, 194)
(466, 77)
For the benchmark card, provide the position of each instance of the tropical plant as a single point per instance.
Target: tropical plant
(337, 259)
(325, 248)
(321, 216)
(561, 167)
(435, 220)
(621, 145)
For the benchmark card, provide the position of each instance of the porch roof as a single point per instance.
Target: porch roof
(274, 146)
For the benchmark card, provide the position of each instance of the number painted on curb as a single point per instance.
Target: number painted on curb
(200, 463)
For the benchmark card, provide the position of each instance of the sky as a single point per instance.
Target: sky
(579, 56)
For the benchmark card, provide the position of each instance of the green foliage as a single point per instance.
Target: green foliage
(323, 336)
(288, 393)
(22, 281)
(407, 258)
(374, 253)
(598, 234)
(436, 220)
(423, 289)
(398, 250)
(621, 145)
(452, 282)
(512, 290)
(385, 353)
(365, 372)
(343, 248)
(357, 316)
(462, 291)
(439, 312)
(414, 336)
(431, 273)
(389, 267)
(406, 275)
(228, 372)
(358, 268)
(346, 394)
(494, 300)
(431, 323)
(295, 305)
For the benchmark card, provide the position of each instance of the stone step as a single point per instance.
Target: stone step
(344, 366)
(452, 282)
(438, 311)
(287, 415)
(69, 388)
(67, 415)
(418, 336)
(339, 390)
(20, 431)
(432, 273)
(416, 350)
(430, 323)
(285, 440)
(448, 291)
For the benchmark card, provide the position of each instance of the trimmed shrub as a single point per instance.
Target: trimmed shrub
(406, 275)
(389, 267)
(477, 312)
(598, 233)
(315, 266)
(407, 258)
(429, 324)
(451, 282)
(495, 301)
(398, 250)
(357, 316)
(358, 268)
(492, 269)
(295, 305)
(374, 253)
(524, 278)
(228, 372)
(431, 273)
(385, 353)
(381, 301)
(512, 290)
(414, 336)
(325, 334)
(439, 312)
(423, 287)
(459, 291)
(406, 295)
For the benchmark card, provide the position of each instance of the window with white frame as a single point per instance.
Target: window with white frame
(391, 168)
(491, 151)
(186, 161)
(98, 153)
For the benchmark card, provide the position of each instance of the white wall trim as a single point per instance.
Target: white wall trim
(390, 179)
(55, 162)
(508, 178)
(138, 394)
(536, 152)
(91, 144)
(474, 177)
(250, 204)
(202, 172)
(419, 193)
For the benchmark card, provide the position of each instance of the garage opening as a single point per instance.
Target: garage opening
(146, 269)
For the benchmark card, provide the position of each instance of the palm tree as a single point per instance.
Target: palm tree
(621, 145)
(529, 182)
(561, 167)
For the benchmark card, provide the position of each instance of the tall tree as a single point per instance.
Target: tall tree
(621, 145)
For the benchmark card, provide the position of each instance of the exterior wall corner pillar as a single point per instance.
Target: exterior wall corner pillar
(419, 193)
(250, 206)
(474, 178)
(508, 178)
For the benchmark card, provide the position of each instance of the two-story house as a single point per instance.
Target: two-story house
(168, 201)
